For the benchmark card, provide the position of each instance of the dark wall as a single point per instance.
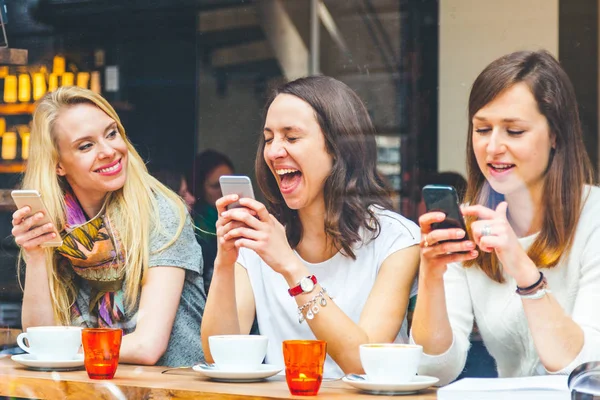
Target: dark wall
(155, 50)
(578, 53)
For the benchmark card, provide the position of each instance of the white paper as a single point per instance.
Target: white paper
(545, 382)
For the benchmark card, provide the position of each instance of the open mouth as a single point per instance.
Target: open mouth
(288, 179)
(500, 168)
(110, 169)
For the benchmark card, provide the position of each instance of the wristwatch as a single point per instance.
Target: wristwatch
(306, 285)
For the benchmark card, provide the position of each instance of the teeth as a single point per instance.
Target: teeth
(503, 166)
(110, 169)
(285, 171)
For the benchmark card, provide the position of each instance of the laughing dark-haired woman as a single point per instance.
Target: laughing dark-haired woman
(530, 275)
(326, 258)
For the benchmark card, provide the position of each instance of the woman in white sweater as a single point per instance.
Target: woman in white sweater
(530, 272)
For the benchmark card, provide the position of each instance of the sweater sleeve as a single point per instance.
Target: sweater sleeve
(585, 311)
(448, 366)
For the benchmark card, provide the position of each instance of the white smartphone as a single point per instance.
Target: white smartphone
(33, 199)
(236, 184)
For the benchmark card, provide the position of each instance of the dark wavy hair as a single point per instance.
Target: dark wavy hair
(354, 184)
(569, 167)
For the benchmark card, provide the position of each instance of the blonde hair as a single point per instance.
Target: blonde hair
(133, 209)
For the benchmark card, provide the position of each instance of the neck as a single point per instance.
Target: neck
(90, 203)
(315, 246)
(526, 211)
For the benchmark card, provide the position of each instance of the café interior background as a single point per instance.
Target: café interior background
(190, 75)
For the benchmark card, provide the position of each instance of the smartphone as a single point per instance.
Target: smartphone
(236, 184)
(445, 199)
(33, 199)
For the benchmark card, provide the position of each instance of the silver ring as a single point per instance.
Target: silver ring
(486, 230)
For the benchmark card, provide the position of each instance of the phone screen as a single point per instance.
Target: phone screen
(444, 199)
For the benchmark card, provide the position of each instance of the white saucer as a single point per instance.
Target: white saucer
(49, 365)
(418, 383)
(262, 372)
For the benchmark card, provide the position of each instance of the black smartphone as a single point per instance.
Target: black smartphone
(445, 199)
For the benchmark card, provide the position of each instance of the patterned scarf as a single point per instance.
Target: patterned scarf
(94, 252)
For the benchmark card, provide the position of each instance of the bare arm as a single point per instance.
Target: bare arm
(37, 301)
(380, 319)
(384, 310)
(159, 301)
(230, 306)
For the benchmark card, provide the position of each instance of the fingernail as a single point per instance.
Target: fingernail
(460, 234)
(473, 253)
(54, 235)
(470, 245)
(39, 215)
(48, 225)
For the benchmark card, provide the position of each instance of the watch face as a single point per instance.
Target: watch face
(307, 285)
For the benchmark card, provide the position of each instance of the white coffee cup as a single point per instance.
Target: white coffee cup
(390, 362)
(238, 352)
(51, 343)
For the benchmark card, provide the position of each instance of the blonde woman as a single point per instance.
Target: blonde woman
(129, 258)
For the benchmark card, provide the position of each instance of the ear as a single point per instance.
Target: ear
(60, 171)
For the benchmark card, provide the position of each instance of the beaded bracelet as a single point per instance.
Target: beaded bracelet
(313, 306)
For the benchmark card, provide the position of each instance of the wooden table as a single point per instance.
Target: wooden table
(137, 382)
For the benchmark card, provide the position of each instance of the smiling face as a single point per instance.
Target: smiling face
(92, 153)
(295, 152)
(512, 142)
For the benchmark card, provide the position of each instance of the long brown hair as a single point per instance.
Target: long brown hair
(354, 184)
(569, 167)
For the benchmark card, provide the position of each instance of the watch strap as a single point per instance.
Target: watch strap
(296, 290)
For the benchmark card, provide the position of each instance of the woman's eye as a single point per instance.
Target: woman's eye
(268, 140)
(483, 130)
(112, 134)
(292, 139)
(84, 147)
(514, 131)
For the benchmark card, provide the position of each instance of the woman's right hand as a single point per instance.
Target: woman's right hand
(227, 253)
(435, 256)
(29, 236)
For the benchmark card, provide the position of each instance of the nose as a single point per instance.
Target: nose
(275, 149)
(105, 150)
(495, 144)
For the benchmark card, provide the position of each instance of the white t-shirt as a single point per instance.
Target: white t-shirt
(348, 281)
(471, 294)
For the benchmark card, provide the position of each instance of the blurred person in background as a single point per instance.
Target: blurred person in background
(209, 166)
(177, 182)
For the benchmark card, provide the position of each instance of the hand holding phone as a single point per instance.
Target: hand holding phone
(240, 185)
(445, 199)
(33, 199)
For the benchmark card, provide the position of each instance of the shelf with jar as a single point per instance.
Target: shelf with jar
(14, 147)
(22, 86)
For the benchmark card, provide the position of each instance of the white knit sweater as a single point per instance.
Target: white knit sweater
(498, 310)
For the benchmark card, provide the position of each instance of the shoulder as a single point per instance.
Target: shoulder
(591, 198)
(392, 223)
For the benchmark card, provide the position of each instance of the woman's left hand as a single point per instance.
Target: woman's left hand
(263, 234)
(492, 232)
